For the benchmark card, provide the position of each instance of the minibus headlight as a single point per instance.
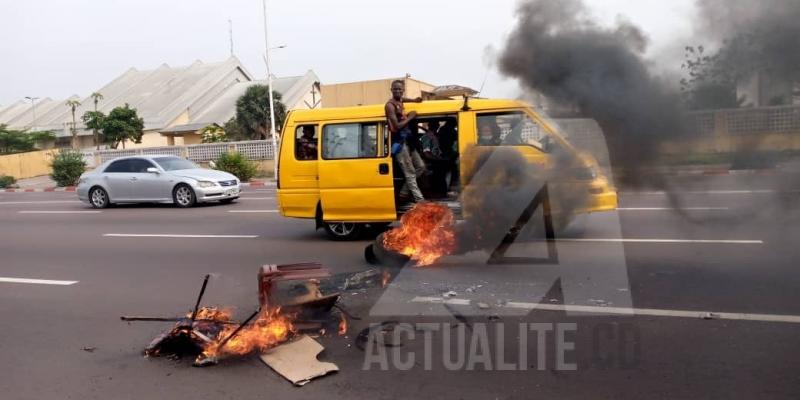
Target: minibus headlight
(585, 173)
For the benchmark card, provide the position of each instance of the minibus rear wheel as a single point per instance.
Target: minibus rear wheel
(343, 230)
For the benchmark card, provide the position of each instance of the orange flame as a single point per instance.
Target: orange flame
(267, 330)
(213, 314)
(343, 325)
(385, 278)
(425, 234)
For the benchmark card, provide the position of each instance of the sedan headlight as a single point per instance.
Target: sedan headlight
(206, 184)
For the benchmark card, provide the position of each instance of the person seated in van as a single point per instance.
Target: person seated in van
(410, 162)
(448, 139)
(307, 144)
(448, 142)
(488, 133)
(434, 156)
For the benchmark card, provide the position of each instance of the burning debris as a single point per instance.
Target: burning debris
(269, 327)
(294, 300)
(291, 302)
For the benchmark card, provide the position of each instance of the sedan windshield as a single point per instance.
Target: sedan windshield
(174, 163)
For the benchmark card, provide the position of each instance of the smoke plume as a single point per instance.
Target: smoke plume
(755, 35)
(559, 51)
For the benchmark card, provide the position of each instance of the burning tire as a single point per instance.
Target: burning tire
(343, 230)
(377, 254)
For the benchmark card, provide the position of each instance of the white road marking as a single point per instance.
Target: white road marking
(165, 235)
(626, 310)
(755, 191)
(633, 240)
(39, 202)
(252, 211)
(256, 198)
(37, 281)
(59, 212)
(670, 208)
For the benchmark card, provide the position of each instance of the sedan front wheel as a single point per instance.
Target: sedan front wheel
(98, 197)
(184, 196)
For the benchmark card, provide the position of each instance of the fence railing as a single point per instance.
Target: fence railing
(745, 121)
(252, 149)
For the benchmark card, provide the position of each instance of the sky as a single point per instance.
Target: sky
(56, 48)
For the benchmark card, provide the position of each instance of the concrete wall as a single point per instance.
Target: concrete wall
(367, 92)
(192, 138)
(729, 144)
(149, 139)
(27, 165)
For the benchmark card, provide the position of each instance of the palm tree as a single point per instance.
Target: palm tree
(96, 96)
(73, 104)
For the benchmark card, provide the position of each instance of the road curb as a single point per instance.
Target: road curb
(50, 189)
(257, 184)
(712, 172)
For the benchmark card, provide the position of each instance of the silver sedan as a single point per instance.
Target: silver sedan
(155, 179)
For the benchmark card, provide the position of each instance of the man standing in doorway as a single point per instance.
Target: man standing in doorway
(410, 161)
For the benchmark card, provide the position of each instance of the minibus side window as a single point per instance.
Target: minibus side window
(305, 142)
(511, 129)
(342, 141)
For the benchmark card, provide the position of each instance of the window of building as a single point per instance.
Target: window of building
(350, 141)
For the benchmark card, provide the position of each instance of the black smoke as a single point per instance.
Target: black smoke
(754, 35)
(557, 50)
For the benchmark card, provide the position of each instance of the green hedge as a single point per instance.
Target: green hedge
(67, 168)
(237, 164)
(6, 181)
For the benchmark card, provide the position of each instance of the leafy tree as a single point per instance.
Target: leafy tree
(96, 97)
(711, 80)
(253, 110)
(73, 104)
(123, 124)
(233, 131)
(94, 121)
(17, 141)
(213, 134)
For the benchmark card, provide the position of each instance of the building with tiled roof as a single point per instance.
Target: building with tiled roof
(175, 102)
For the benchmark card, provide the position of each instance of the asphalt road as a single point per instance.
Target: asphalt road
(731, 251)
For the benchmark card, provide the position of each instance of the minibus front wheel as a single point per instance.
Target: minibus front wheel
(343, 230)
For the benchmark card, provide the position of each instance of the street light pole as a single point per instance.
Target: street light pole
(33, 106)
(271, 102)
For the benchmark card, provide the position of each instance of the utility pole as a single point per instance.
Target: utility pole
(230, 34)
(271, 103)
(33, 106)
